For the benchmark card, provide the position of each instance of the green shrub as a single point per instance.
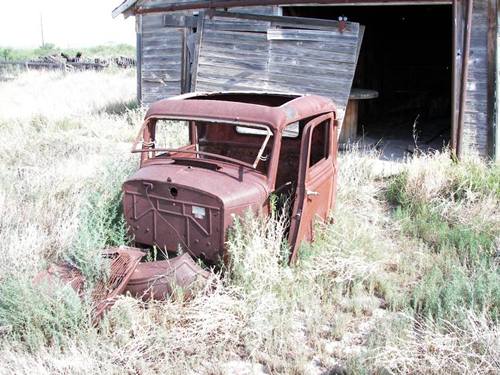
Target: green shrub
(101, 222)
(464, 274)
(37, 315)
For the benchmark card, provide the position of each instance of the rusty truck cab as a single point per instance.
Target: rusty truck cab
(237, 149)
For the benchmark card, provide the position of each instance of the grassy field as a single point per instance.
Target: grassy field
(103, 51)
(406, 280)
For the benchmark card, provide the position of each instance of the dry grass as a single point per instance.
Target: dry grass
(424, 347)
(363, 298)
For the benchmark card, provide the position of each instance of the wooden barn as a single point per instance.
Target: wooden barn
(423, 73)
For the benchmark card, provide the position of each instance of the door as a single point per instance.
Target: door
(316, 180)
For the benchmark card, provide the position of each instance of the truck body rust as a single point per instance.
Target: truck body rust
(241, 148)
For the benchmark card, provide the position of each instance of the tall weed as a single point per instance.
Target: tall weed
(464, 273)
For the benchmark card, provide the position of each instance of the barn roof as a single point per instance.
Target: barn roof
(128, 7)
(234, 106)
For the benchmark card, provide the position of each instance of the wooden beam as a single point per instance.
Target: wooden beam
(180, 20)
(464, 76)
(296, 22)
(456, 61)
(138, 51)
(492, 78)
(123, 8)
(497, 135)
(225, 4)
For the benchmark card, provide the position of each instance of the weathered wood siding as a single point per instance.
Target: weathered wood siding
(249, 55)
(496, 134)
(476, 126)
(161, 62)
(160, 73)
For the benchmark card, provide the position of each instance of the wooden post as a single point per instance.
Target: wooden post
(497, 135)
(138, 67)
(350, 127)
(493, 85)
(492, 75)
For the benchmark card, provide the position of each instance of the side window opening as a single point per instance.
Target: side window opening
(319, 143)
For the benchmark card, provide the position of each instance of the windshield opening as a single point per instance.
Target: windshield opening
(163, 138)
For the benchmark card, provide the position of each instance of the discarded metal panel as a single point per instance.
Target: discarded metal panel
(66, 273)
(123, 261)
(158, 280)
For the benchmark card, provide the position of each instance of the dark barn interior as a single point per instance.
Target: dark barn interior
(405, 57)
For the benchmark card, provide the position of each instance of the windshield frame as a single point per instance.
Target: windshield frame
(146, 132)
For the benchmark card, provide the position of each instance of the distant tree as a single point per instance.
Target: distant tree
(46, 49)
(6, 53)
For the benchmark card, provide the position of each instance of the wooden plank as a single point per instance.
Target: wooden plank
(296, 22)
(254, 81)
(313, 35)
(282, 49)
(162, 71)
(139, 51)
(152, 21)
(492, 74)
(172, 56)
(254, 48)
(280, 60)
(475, 124)
(180, 20)
(161, 64)
(329, 72)
(234, 24)
(161, 52)
(325, 83)
(497, 91)
(233, 37)
(238, 27)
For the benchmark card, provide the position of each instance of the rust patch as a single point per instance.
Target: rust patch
(124, 261)
(158, 280)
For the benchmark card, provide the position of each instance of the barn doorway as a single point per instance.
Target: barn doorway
(406, 57)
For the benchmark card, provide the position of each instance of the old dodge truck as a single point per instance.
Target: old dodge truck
(236, 150)
(233, 152)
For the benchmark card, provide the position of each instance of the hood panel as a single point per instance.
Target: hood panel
(172, 206)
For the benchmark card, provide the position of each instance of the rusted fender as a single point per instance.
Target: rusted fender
(158, 280)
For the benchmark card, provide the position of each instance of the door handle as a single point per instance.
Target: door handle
(310, 192)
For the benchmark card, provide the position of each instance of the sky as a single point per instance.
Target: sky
(66, 23)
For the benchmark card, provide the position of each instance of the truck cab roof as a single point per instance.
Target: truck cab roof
(275, 110)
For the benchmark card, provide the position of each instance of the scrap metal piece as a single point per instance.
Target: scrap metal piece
(124, 260)
(65, 273)
(158, 280)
